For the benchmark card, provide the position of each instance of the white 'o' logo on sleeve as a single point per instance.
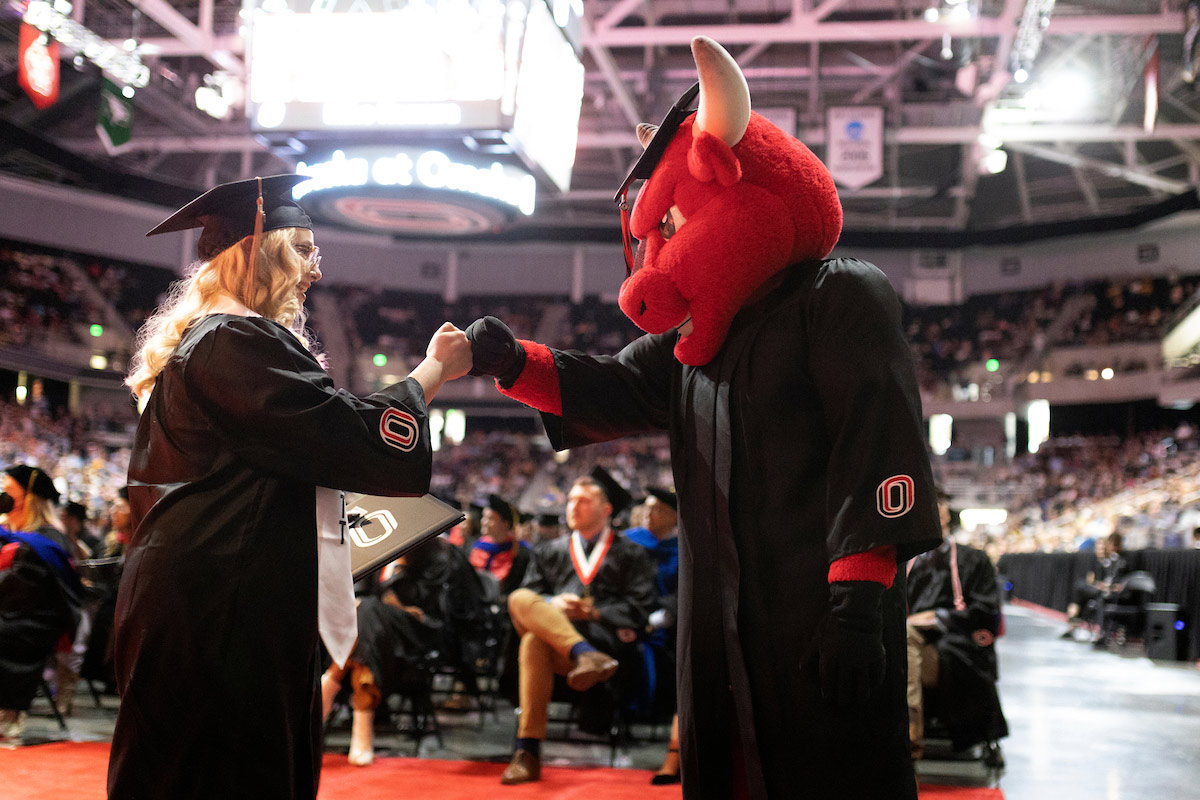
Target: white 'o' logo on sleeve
(895, 496)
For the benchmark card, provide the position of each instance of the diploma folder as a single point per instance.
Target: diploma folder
(381, 529)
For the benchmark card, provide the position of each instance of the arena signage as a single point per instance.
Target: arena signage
(419, 168)
(506, 72)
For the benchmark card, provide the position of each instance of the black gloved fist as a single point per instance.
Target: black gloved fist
(495, 350)
(851, 645)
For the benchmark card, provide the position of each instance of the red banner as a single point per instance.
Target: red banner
(37, 70)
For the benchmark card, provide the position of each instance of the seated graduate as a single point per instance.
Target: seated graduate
(585, 596)
(954, 619)
(660, 537)
(40, 593)
(427, 604)
(497, 551)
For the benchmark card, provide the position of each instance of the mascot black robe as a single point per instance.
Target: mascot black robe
(965, 700)
(788, 449)
(216, 624)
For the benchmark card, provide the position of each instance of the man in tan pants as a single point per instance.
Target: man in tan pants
(584, 596)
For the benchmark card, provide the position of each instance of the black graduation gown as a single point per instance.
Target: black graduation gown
(622, 591)
(438, 579)
(779, 448)
(965, 701)
(216, 623)
(39, 602)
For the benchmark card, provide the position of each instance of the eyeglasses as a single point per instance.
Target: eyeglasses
(310, 253)
(643, 168)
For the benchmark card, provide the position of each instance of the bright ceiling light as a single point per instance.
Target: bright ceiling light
(1069, 91)
(1021, 75)
(931, 15)
(995, 162)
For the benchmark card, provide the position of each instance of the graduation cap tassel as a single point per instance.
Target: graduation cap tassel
(255, 243)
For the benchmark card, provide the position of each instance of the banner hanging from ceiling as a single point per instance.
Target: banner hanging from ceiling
(114, 118)
(37, 70)
(854, 145)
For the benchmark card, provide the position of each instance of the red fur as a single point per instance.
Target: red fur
(877, 565)
(710, 159)
(750, 211)
(537, 385)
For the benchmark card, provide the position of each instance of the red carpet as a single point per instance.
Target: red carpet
(75, 771)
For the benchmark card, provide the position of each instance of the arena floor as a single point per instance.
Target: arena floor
(1084, 724)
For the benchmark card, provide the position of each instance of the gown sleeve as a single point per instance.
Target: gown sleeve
(280, 412)
(880, 486)
(610, 397)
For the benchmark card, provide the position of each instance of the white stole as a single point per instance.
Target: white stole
(337, 618)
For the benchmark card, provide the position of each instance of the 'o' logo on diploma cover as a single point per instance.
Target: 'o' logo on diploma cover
(895, 496)
(399, 429)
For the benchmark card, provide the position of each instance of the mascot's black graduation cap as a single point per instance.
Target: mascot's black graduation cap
(230, 212)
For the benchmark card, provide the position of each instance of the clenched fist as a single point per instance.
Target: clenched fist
(495, 350)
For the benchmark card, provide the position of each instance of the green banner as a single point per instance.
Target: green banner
(114, 120)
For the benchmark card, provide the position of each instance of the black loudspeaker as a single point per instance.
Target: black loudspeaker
(1166, 634)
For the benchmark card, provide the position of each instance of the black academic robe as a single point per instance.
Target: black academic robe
(216, 637)
(40, 597)
(438, 579)
(622, 591)
(800, 443)
(965, 700)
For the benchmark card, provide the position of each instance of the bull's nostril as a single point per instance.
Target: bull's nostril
(642, 310)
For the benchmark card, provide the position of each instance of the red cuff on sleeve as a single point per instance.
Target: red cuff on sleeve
(537, 385)
(877, 565)
(7, 553)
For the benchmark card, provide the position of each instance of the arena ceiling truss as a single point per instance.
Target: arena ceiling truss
(941, 70)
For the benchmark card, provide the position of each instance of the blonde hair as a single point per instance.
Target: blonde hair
(39, 512)
(270, 291)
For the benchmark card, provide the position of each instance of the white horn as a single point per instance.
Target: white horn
(645, 132)
(724, 96)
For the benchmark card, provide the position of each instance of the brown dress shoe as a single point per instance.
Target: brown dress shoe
(591, 668)
(524, 768)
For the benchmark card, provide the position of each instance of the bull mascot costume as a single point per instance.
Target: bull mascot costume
(791, 401)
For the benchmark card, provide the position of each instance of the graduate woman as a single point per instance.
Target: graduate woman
(216, 637)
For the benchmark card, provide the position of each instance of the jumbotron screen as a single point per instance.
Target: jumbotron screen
(458, 66)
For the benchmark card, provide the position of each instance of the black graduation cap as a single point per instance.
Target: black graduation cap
(549, 518)
(34, 480)
(77, 510)
(505, 509)
(618, 496)
(664, 496)
(227, 212)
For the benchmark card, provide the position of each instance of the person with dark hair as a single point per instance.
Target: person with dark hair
(40, 592)
(120, 525)
(660, 537)
(1102, 581)
(242, 445)
(585, 596)
(497, 551)
(75, 525)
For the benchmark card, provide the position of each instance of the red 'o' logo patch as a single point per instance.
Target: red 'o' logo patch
(983, 637)
(895, 496)
(399, 429)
